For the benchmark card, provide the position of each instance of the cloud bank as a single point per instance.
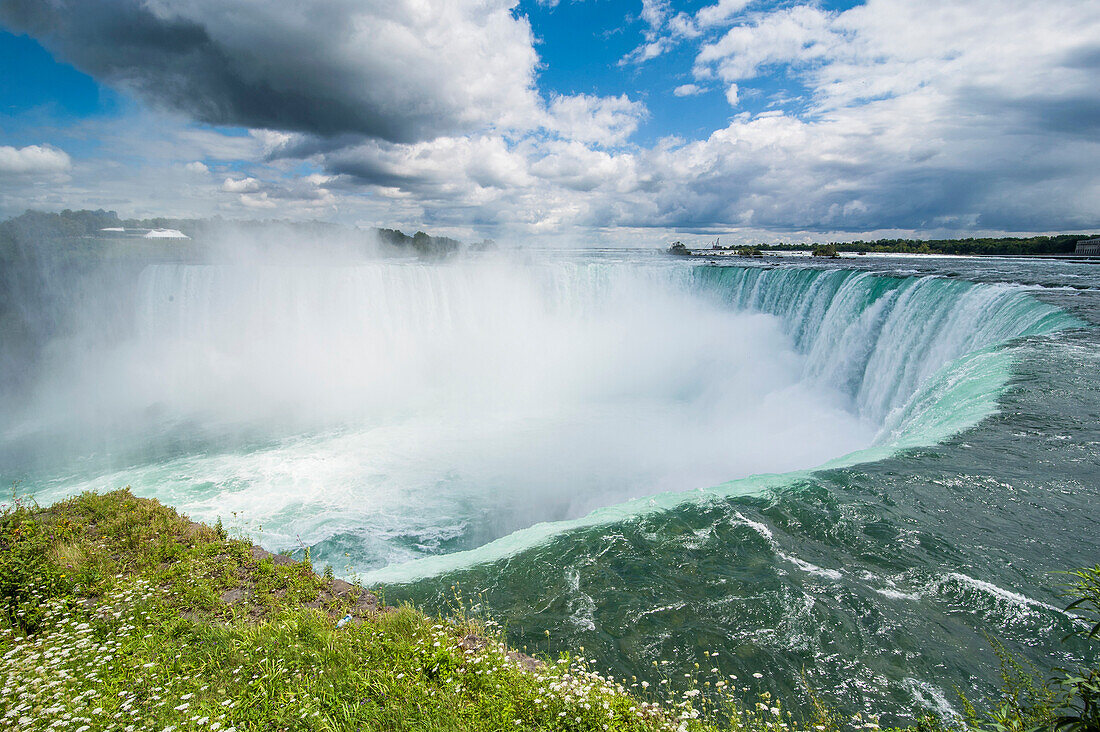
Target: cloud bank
(982, 115)
(398, 70)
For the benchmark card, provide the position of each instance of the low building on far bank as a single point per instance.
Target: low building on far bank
(1088, 247)
(119, 232)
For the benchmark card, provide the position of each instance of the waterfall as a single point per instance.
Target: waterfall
(876, 338)
(398, 410)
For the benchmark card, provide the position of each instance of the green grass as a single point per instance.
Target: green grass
(118, 614)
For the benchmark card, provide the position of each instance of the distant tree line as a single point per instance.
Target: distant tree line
(421, 243)
(1058, 244)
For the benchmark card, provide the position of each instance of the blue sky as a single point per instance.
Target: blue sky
(31, 79)
(582, 44)
(578, 121)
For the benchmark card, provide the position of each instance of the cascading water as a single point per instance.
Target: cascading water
(415, 409)
(917, 356)
(878, 338)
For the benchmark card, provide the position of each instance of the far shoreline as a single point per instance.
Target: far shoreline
(856, 254)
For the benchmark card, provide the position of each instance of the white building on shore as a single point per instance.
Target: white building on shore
(124, 233)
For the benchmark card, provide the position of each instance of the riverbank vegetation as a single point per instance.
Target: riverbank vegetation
(1063, 244)
(998, 246)
(116, 613)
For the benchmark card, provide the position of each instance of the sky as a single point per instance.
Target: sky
(561, 121)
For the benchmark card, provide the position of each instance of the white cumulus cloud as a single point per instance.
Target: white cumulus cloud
(688, 90)
(592, 119)
(945, 115)
(720, 12)
(241, 185)
(33, 160)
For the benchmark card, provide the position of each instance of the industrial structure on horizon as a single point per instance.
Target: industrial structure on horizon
(1088, 247)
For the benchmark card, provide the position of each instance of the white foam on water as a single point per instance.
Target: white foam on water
(898, 594)
(1014, 599)
(802, 564)
(930, 697)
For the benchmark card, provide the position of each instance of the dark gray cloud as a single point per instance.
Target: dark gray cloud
(393, 70)
(373, 171)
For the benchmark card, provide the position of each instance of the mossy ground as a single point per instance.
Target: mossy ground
(116, 613)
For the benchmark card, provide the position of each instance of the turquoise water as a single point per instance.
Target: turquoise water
(853, 468)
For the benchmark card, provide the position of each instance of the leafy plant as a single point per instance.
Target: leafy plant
(28, 579)
(1081, 712)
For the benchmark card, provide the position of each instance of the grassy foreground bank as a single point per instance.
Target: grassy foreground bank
(116, 613)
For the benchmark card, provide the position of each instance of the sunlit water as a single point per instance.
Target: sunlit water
(854, 468)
